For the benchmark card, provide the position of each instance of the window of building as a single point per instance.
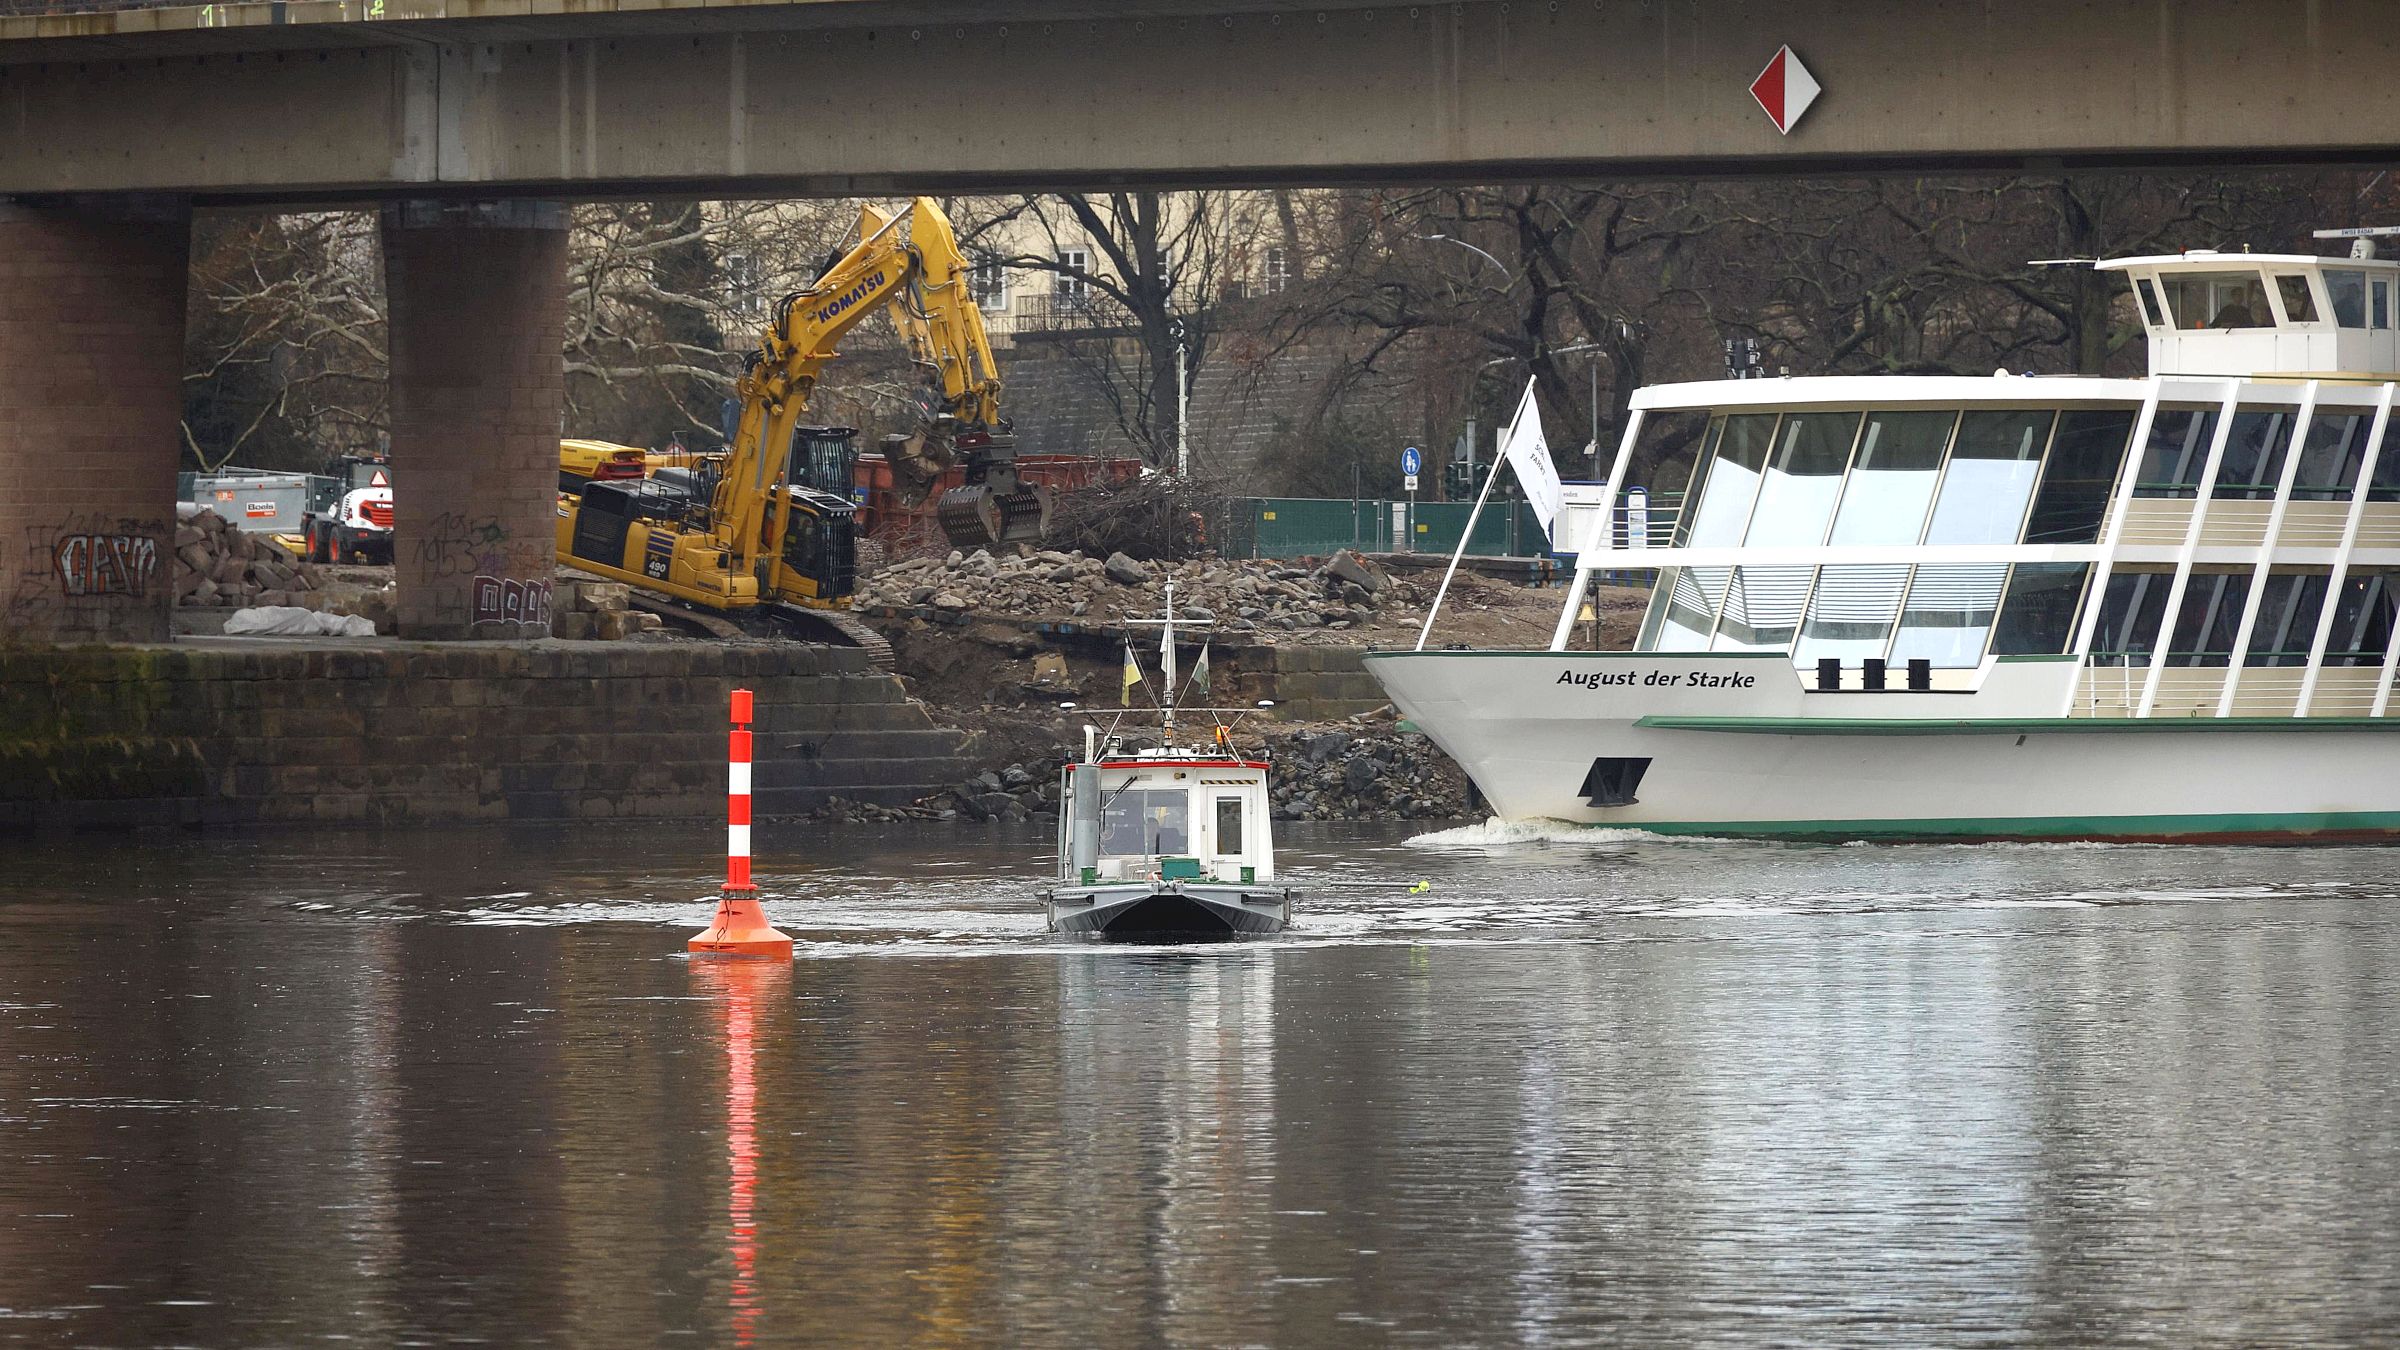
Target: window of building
(2079, 475)
(1074, 288)
(2288, 607)
(2037, 614)
(2176, 452)
(1948, 617)
(2218, 300)
(2363, 611)
(2254, 451)
(742, 294)
(1278, 271)
(2299, 304)
(1991, 474)
(988, 283)
(2348, 292)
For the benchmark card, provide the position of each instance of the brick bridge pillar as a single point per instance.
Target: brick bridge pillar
(91, 406)
(478, 312)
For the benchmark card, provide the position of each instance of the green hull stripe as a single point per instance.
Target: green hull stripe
(2281, 825)
(2007, 726)
(1547, 654)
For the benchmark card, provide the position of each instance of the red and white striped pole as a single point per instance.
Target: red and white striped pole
(740, 927)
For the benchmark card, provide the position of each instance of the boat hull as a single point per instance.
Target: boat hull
(1153, 911)
(1764, 759)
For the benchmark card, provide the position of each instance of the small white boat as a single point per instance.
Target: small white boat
(1171, 840)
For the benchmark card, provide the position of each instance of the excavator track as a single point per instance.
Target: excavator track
(831, 627)
(835, 628)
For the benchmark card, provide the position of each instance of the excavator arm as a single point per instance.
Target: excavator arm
(943, 325)
(807, 325)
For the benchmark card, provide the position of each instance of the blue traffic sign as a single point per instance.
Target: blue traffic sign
(1411, 462)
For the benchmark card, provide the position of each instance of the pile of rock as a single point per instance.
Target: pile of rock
(1344, 775)
(219, 565)
(1240, 596)
(599, 611)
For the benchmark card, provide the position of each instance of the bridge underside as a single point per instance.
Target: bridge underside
(853, 97)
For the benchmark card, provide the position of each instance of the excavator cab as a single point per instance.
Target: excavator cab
(817, 564)
(994, 506)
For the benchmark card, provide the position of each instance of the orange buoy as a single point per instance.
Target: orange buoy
(740, 927)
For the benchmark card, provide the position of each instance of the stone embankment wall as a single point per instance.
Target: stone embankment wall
(224, 731)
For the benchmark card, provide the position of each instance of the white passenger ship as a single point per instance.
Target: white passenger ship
(2014, 607)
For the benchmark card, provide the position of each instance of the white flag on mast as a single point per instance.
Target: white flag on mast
(1529, 455)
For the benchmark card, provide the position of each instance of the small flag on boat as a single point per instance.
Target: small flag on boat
(1200, 674)
(1133, 676)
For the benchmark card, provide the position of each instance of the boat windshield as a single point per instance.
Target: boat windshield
(1146, 823)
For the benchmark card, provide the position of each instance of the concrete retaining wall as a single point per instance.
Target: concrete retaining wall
(1317, 684)
(227, 731)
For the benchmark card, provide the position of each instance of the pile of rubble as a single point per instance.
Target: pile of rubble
(218, 565)
(1368, 772)
(1238, 595)
(1363, 775)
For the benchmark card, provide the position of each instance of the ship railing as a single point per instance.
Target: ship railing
(2111, 685)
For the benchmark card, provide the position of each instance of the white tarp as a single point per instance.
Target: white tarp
(1529, 455)
(290, 621)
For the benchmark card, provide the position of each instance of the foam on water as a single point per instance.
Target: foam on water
(1498, 833)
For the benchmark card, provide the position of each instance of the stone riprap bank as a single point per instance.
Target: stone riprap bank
(211, 731)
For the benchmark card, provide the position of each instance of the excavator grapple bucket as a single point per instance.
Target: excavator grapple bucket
(980, 516)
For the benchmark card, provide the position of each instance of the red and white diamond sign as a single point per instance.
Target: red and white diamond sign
(1785, 89)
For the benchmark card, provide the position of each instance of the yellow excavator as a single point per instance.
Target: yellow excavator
(764, 535)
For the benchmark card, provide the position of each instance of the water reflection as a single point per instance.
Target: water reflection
(1588, 1090)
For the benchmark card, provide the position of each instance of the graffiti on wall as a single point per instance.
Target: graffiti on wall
(105, 564)
(512, 602)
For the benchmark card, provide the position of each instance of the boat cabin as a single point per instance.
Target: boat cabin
(2210, 313)
(1170, 814)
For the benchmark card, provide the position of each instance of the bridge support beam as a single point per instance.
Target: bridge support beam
(478, 311)
(91, 406)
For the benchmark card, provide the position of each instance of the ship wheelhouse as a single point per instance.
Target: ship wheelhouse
(2221, 538)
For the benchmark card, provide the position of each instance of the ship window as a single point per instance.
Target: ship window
(2176, 452)
(1229, 826)
(2299, 306)
(1732, 483)
(1949, 613)
(1143, 824)
(2158, 303)
(2348, 292)
(1850, 617)
(1762, 610)
(1892, 480)
(1991, 474)
(2084, 459)
(2329, 455)
(2129, 617)
(2211, 614)
(2287, 619)
(2037, 615)
(2383, 303)
(2362, 619)
(1692, 604)
(2254, 451)
(1803, 479)
(2219, 300)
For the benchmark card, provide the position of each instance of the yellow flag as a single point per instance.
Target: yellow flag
(1133, 676)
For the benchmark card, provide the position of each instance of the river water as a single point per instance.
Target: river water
(463, 1087)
